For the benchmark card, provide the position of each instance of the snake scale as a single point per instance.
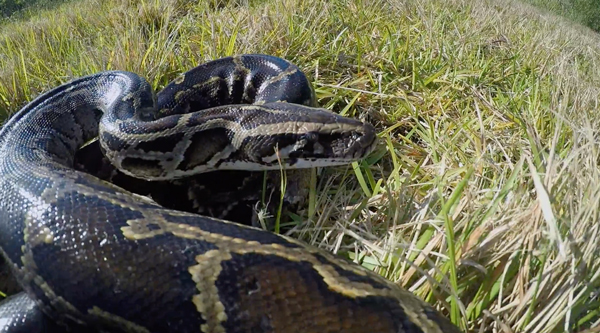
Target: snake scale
(92, 257)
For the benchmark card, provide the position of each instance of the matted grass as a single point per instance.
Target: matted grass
(483, 195)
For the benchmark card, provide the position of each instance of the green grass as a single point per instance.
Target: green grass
(482, 197)
(21, 9)
(585, 12)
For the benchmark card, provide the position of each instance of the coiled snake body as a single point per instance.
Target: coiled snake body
(94, 257)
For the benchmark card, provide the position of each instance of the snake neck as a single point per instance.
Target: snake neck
(54, 125)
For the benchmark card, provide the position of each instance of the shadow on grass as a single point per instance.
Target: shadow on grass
(584, 12)
(19, 8)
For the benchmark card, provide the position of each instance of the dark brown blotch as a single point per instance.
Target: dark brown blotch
(142, 168)
(272, 290)
(204, 145)
(163, 144)
(113, 143)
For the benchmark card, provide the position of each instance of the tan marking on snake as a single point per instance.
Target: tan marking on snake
(179, 79)
(208, 82)
(228, 244)
(206, 277)
(245, 71)
(239, 134)
(116, 321)
(207, 301)
(27, 274)
(35, 231)
(182, 93)
(287, 72)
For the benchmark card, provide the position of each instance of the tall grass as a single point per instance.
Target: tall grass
(482, 197)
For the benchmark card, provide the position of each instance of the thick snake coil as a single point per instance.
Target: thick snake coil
(93, 257)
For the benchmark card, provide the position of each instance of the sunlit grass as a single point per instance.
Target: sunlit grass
(482, 195)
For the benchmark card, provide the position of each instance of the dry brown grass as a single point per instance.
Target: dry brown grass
(483, 195)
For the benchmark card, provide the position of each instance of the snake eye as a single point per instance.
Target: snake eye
(311, 139)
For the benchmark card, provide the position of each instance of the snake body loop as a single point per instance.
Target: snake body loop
(93, 257)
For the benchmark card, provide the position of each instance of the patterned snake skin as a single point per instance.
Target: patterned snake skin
(93, 257)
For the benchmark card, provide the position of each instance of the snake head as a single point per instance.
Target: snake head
(237, 137)
(304, 137)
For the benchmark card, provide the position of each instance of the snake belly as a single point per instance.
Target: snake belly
(94, 257)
